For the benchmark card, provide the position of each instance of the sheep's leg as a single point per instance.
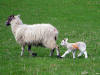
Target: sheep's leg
(52, 51)
(85, 53)
(22, 50)
(29, 50)
(67, 52)
(73, 52)
(58, 51)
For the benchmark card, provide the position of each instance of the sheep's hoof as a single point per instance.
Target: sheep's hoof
(58, 56)
(34, 54)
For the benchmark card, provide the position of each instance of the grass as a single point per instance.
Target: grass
(76, 19)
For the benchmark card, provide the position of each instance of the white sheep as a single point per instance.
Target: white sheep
(72, 47)
(36, 34)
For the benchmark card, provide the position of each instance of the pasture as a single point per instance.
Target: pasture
(79, 20)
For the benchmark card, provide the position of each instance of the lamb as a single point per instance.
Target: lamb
(72, 47)
(36, 34)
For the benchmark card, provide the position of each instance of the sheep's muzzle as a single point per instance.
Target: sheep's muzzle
(9, 20)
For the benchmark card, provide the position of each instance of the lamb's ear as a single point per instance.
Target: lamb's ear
(66, 39)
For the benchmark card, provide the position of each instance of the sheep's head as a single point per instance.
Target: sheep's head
(16, 19)
(10, 18)
(64, 42)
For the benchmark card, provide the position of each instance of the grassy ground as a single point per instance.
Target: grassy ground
(79, 20)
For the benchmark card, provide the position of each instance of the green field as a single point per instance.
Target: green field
(79, 20)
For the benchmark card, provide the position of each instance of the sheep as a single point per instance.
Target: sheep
(36, 34)
(72, 47)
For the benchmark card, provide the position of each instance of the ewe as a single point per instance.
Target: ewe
(36, 34)
(72, 47)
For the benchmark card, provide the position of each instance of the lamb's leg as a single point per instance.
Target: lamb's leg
(29, 50)
(73, 52)
(80, 54)
(58, 51)
(52, 51)
(22, 50)
(85, 53)
(67, 52)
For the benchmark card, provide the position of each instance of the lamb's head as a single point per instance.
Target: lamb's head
(64, 42)
(15, 19)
